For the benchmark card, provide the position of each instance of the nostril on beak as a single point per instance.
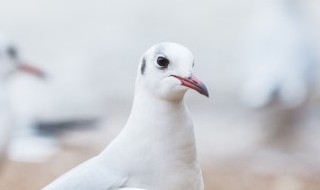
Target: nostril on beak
(189, 76)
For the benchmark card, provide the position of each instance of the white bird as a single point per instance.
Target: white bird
(156, 148)
(9, 64)
(279, 56)
(280, 69)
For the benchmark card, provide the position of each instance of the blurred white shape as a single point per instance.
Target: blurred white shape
(279, 60)
(29, 147)
(62, 98)
(25, 143)
(69, 93)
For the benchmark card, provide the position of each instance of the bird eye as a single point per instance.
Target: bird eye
(12, 52)
(162, 62)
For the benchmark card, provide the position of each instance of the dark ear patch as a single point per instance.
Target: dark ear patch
(143, 65)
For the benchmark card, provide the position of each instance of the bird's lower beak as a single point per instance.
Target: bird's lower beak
(193, 83)
(31, 69)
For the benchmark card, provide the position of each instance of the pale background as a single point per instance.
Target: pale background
(90, 51)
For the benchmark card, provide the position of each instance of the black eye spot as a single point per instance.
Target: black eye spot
(143, 66)
(12, 52)
(162, 62)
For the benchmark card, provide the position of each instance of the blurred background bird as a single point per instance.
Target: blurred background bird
(33, 137)
(10, 63)
(280, 69)
(281, 60)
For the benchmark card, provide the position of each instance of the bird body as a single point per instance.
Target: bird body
(148, 153)
(156, 148)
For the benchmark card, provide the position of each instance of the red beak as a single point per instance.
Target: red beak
(193, 83)
(31, 69)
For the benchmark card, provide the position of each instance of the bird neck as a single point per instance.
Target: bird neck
(152, 110)
(164, 125)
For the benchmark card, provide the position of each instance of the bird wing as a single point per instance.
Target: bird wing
(90, 175)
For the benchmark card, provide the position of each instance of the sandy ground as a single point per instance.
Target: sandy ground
(34, 176)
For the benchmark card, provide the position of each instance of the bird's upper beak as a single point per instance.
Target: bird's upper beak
(193, 83)
(30, 69)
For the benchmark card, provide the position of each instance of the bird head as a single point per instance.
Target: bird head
(166, 71)
(10, 61)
